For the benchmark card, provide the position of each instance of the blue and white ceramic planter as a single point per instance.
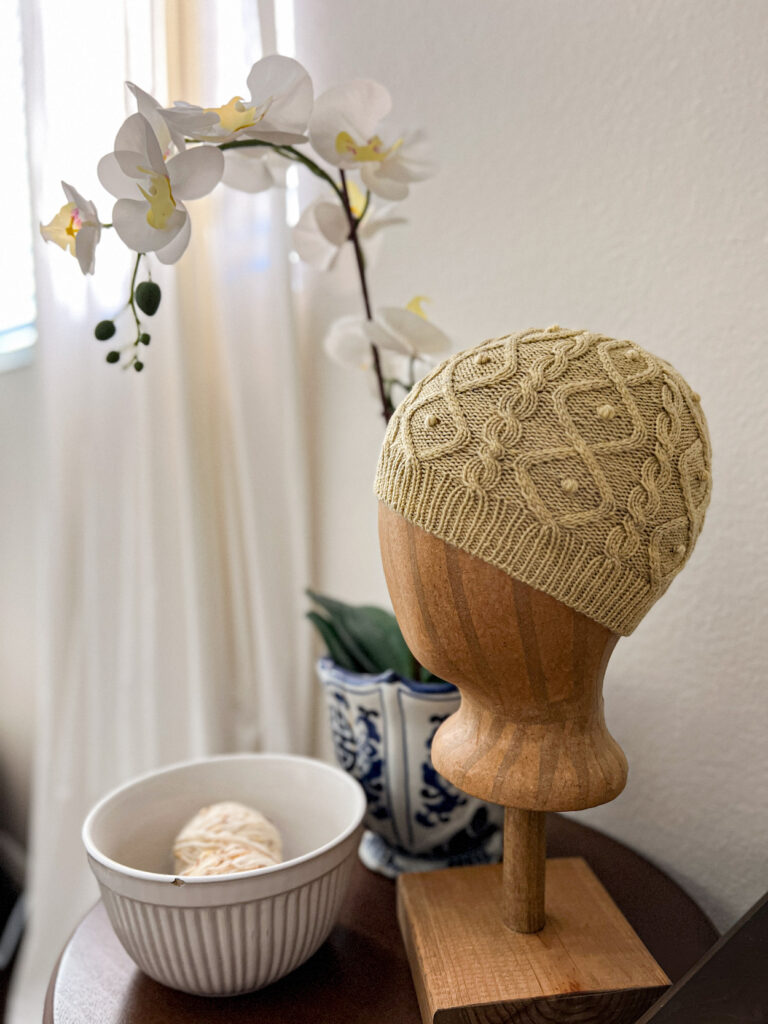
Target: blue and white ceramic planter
(382, 728)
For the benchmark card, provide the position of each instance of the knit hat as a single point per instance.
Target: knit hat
(578, 464)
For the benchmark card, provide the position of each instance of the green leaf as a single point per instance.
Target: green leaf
(370, 634)
(336, 648)
(380, 635)
(340, 622)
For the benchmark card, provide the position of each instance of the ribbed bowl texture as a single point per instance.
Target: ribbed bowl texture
(227, 934)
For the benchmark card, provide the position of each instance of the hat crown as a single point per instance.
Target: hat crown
(575, 462)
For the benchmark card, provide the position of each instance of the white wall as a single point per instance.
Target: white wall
(604, 165)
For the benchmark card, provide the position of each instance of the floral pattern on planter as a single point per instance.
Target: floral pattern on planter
(382, 728)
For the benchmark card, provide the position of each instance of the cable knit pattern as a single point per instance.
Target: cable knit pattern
(577, 463)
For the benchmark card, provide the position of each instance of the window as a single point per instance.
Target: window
(17, 282)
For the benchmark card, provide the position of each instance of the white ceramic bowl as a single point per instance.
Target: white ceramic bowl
(226, 934)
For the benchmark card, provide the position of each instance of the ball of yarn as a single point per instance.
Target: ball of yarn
(225, 838)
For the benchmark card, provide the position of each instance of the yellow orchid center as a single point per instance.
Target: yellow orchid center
(75, 223)
(64, 227)
(234, 116)
(415, 306)
(160, 199)
(356, 199)
(372, 151)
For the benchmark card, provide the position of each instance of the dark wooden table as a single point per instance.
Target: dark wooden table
(360, 975)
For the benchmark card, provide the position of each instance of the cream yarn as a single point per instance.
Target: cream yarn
(579, 464)
(225, 838)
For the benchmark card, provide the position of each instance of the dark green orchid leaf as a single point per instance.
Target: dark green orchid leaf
(336, 648)
(370, 635)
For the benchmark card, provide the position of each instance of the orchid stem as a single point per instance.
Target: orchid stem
(386, 404)
(290, 153)
(132, 296)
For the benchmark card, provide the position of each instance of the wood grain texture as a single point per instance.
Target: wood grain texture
(530, 732)
(584, 1008)
(524, 870)
(587, 964)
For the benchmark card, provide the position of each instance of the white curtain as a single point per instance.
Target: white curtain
(173, 540)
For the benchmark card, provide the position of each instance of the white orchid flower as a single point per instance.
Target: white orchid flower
(149, 215)
(399, 332)
(75, 227)
(278, 110)
(169, 139)
(391, 176)
(344, 129)
(347, 343)
(254, 170)
(323, 228)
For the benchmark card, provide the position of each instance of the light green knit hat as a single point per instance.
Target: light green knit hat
(578, 464)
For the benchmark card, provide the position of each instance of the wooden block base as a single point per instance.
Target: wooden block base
(587, 965)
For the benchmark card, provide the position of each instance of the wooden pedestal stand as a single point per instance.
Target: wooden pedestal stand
(531, 941)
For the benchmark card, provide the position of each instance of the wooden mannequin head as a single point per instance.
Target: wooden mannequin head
(530, 732)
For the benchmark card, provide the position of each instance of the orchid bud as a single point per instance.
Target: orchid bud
(148, 297)
(104, 330)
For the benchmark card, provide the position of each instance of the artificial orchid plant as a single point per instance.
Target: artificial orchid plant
(166, 156)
